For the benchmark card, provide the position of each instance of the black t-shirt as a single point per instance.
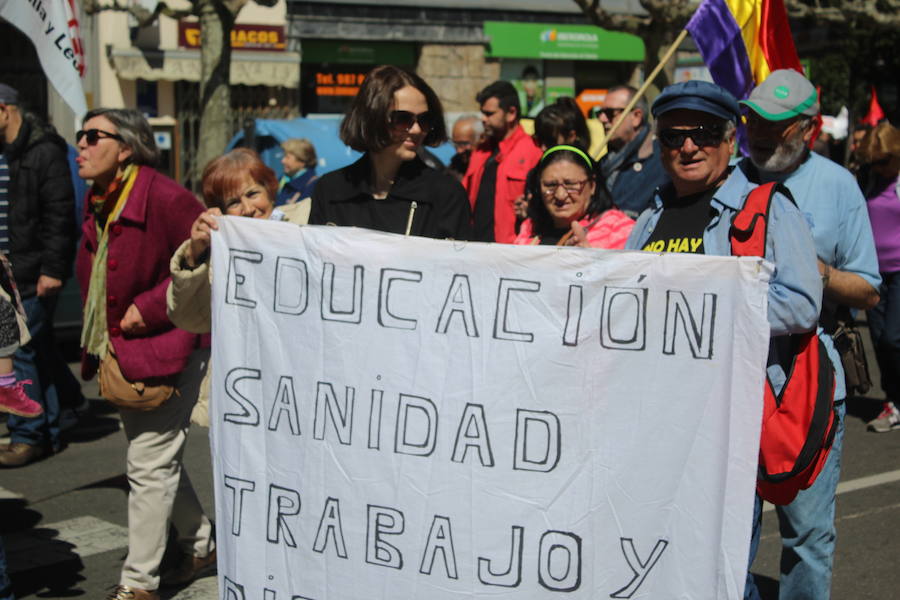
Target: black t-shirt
(483, 214)
(682, 223)
(552, 237)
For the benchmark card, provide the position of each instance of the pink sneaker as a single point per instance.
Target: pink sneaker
(14, 400)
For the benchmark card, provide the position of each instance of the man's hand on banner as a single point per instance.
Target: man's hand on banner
(200, 235)
(133, 322)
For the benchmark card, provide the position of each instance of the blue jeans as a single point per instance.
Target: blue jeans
(807, 532)
(41, 362)
(5, 584)
(884, 325)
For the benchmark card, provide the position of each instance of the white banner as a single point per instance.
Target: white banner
(52, 26)
(404, 418)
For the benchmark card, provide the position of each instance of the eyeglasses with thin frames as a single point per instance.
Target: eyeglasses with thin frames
(95, 135)
(572, 188)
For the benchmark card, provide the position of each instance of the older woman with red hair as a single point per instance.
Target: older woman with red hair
(238, 184)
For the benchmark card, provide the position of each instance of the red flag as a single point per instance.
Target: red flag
(875, 114)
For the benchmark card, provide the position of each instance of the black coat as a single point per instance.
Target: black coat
(343, 197)
(42, 233)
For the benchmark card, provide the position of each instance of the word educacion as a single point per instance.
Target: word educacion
(622, 318)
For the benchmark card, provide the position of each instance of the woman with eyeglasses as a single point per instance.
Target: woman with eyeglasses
(568, 208)
(390, 188)
(559, 123)
(135, 219)
(880, 151)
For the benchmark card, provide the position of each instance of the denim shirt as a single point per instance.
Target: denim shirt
(832, 203)
(795, 290)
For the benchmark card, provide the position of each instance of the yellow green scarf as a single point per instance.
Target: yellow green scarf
(94, 333)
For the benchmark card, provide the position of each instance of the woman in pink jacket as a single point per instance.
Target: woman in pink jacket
(135, 218)
(568, 208)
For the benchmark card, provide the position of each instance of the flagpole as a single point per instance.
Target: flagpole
(642, 90)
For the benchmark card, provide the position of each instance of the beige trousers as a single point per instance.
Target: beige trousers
(161, 491)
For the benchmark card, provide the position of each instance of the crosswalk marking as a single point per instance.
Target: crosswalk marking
(858, 484)
(6, 494)
(79, 538)
(202, 589)
(56, 542)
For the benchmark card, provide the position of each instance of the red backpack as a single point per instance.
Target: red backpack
(799, 424)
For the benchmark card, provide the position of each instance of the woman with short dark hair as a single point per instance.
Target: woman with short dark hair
(134, 220)
(567, 206)
(561, 123)
(390, 188)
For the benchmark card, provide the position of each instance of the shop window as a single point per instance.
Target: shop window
(247, 103)
(147, 98)
(330, 89)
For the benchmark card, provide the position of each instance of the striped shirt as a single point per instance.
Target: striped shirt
(4, 205)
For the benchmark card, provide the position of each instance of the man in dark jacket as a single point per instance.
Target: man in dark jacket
(631, 169)
(41, 244)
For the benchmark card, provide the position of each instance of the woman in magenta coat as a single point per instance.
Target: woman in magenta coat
(135, 219)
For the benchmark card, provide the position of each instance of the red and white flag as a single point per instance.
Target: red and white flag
(52, 26)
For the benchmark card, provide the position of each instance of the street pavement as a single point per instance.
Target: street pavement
(64, 519)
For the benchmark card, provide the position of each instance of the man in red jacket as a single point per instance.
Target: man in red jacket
(499, 166)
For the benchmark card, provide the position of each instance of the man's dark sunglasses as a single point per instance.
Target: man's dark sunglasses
(611, 113)
(93, 135)
(701, 136)
(403, 119)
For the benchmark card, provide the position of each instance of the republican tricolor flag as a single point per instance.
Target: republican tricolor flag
(742, 41)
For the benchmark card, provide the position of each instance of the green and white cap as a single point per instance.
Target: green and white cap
(784, 94)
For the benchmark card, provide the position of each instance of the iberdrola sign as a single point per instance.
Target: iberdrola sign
(560, 42)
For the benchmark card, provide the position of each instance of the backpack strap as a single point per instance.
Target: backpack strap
(750, 226)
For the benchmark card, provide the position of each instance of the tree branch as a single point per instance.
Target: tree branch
(601, 18)
(879, 13)
(143, 16)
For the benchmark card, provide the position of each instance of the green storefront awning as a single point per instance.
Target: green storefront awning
(358, 52)
(560, 42)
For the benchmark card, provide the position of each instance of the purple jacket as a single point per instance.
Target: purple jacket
(156, 219)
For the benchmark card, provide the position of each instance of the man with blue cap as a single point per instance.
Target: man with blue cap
(696, 124)
(780, 125)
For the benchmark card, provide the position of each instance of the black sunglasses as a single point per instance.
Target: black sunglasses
(702, 136)
(93, 135)
(611, 113)
(403, 119)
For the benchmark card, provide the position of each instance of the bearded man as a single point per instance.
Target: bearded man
(780, 125)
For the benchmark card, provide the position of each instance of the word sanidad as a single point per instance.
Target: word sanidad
(416, 423)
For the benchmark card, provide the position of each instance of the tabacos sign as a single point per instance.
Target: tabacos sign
(243, 36)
